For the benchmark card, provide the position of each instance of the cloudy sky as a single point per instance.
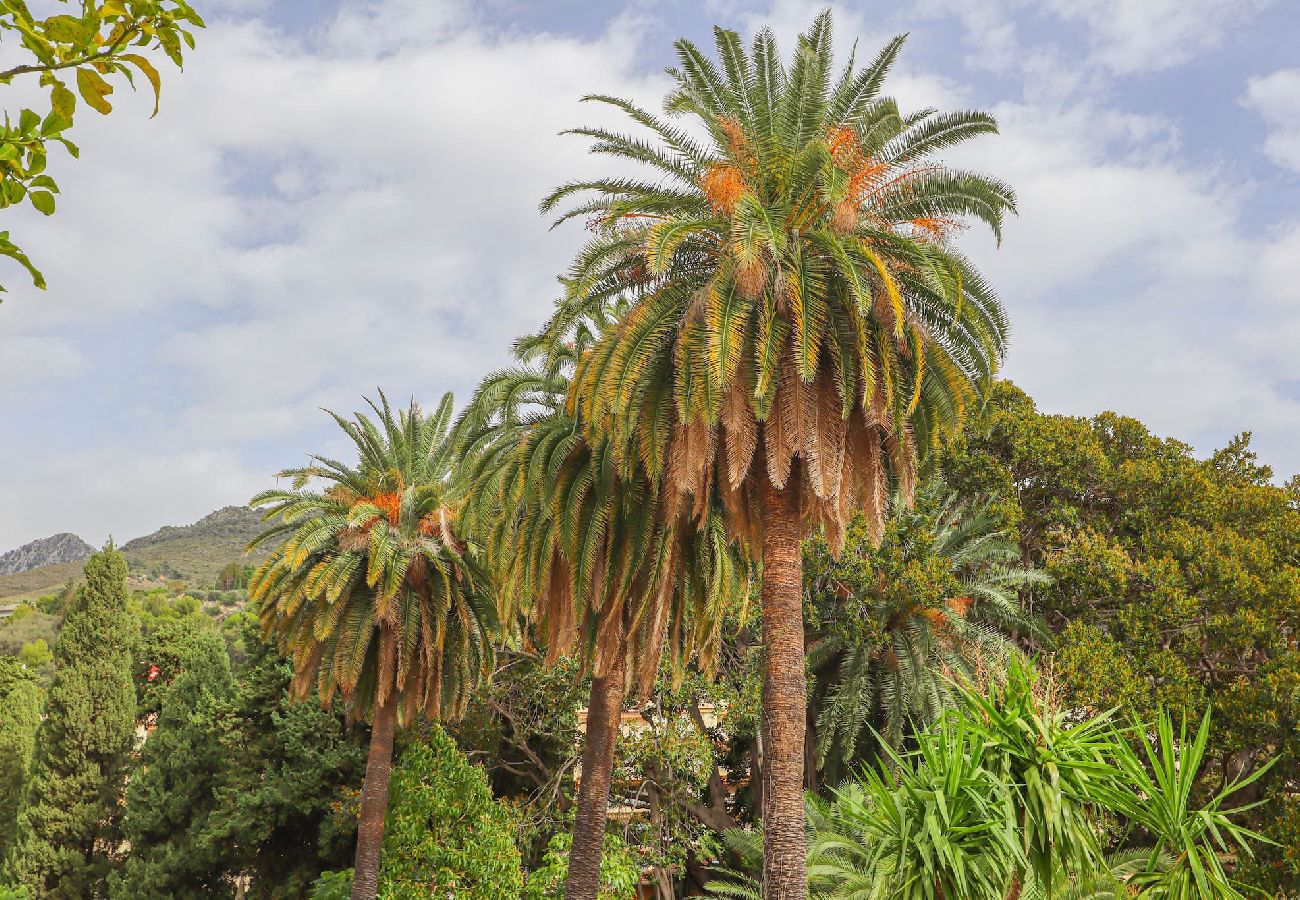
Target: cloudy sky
(342, 196)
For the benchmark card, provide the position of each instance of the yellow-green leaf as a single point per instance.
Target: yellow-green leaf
(113, 8)
(69, 30)
(43, 201)
(149, 72)
(94, 90)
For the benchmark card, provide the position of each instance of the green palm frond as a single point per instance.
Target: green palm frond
(898, 673)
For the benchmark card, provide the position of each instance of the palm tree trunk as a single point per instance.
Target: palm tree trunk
(785, 701)
(604, 712)
(374, 803)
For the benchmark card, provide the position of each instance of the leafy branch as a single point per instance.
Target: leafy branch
(94, 44)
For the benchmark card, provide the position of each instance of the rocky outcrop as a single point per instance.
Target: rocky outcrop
(230, 522)
(59, 548)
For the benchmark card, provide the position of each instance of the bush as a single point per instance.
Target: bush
(619, 872)
(330, 886)
(445, 835)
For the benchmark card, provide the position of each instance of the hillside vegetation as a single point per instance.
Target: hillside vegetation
(194, 554)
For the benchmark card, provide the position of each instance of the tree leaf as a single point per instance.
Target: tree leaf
(69, 30)
(9, 249)
(94, 90)
(43, 201)
(63, 101)
(149, 72)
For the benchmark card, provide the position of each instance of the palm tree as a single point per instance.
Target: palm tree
(590, 557)
(373, 595)
(889, 649)
(798, 322)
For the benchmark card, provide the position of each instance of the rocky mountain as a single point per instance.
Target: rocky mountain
(50, 551)
(237, 524)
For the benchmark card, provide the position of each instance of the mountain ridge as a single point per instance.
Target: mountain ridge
(64, 547)
(193, 553)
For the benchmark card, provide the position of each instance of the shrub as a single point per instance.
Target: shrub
(445, 835)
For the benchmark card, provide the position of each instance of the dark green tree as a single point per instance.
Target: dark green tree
(20, 716)
(171, 802)
(1176, 582)
(65, 827)
(282, 811)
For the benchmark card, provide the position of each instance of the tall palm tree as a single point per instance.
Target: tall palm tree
(372, 593)
(798, 322)
(889, 648)
(591, 558)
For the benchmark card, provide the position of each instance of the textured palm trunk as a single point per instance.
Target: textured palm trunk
(374, 803)
(785, 701)
(604, 712)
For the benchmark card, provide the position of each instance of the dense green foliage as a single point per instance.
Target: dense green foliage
(619, 872)
(84, 744)
(287, 793)
(1176, 581)
(20, 717)
(446, 834)
(1004, 794)
(938, 597)
(171, 803)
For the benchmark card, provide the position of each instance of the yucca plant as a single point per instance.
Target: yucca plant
(799, 324)
(932, 823)
(591, 559)
(372, 594)
(1156, 791)
(1112, 880)
(1056, 771)
(888, 649)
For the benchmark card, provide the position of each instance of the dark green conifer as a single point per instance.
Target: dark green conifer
(65, 828)
(20, 716)
(171, 800)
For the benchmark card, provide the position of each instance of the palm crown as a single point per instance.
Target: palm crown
(585, 551)
(793, 290)
(372, 592)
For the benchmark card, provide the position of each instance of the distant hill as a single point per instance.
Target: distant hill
(192, 553)
(230, 523)
(50, 551)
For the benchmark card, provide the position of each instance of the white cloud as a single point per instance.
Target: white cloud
(1147, 35)
(1276, 98)
(29, 358)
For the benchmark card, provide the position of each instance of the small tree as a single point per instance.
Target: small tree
(446, 836)
(84, 743)
(171, 801)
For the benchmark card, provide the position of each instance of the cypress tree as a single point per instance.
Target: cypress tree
(171, 800)
(20, 716)
(64, 836)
